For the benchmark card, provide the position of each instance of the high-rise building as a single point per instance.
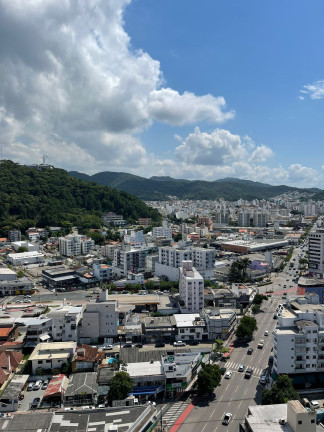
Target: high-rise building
(14, 235)
(244, 219)
(128, 260)
(74, 245)
(259, 219)
(316, 252)
(163, 231)
(191, 288)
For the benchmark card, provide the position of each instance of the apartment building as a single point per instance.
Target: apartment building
(102, 271)
(316, 252)
(244, 219)
(14, 235)
(51, 355)
(74, 245)
(171, 258)
(189, 327)
(299, 337)
(65, 323)
(220, 323)
(128, 260)
(191, 288)
(100, 320)
(259, 219)
(163, 231)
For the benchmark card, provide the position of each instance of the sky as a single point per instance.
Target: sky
(186, 88)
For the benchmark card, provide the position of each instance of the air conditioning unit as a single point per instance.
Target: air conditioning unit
(282, 421)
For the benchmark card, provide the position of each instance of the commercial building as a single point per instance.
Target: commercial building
(189, 327)
(16, 287)
(309, 285)
(51, 355)
(148, 377)
(59, 277)
(113, 218)
(220, 323)
(25, 258)
(245, 247)
(316, 252)
(289, 417)
(191, 288)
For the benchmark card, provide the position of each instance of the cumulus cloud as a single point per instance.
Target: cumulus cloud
(314, 90)
(219, 147)
(68, 70)
(261, 154)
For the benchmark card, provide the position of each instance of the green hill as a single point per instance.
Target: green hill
(51, 197)
(159, 188)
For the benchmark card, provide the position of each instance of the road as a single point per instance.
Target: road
(237, 393)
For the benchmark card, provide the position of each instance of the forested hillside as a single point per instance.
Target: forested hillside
(51, 197)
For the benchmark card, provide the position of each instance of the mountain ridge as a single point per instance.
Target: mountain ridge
(162, 187)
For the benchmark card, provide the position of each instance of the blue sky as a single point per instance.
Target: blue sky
(191, 89)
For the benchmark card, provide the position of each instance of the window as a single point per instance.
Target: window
(40, 362)
(300, 422)
(312, 421)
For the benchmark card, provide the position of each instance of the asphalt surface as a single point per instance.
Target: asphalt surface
(236, 394)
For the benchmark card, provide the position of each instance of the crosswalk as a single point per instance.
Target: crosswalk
(234, 367)
(174, 412)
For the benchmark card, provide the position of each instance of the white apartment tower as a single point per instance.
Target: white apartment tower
(163, 231)
(244, 219)
(259, 219)
(191, 288)
(316, 252)
(128, 260)
(74, 245)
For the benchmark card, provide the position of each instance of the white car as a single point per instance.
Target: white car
(107, 347)
(227, 418)
(263, 380)
(179, 343)
(228, 374)
(241, 368)
(266, 333)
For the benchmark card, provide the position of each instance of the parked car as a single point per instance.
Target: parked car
(38, 385)
(223, 370)
(139, 345)
(250, 351)
(30, 386)
(178, 344)
(127, 345)
(263, 380)
(159, 345)
(35, 403)
(194, 342)
(44, 385)
(227, 418)
(69, 409)
(107, 347)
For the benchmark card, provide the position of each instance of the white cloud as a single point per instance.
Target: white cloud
(314, 90)
(261, 154)
(219, 147)
(67, 70)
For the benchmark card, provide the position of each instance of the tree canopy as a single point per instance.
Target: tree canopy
(120, 385)
(238, 270)
(246, 328)
(258, 299)
(51, 197)
(281, 392)
(208, 378)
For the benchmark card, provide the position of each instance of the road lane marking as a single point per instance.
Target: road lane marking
(211, 415)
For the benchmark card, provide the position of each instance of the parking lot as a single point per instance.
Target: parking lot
(24, 405)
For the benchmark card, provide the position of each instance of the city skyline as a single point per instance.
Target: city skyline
(190, 90)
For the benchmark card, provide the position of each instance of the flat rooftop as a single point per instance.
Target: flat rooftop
(144, 369)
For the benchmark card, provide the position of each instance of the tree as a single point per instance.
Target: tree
(22, 249)
(219, 347)
(208, 378)
(238, 270)
(20, 274)
(120, 385)
(177, 237)
(149, 285)
(258, 299)
(255, 309)
(98, 238)
(246, 328)
(281, 392)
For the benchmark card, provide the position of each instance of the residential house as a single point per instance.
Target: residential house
(52, 355)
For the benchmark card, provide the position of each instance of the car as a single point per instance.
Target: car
(228, 375)
(127, 345)
(266, 333)
(241, 368)
(250, 351)
(159, 345)
(35, 403)
(27, 296)
(275, 316)
(139, 345)
(44, 385)
(86, 407)
(178, 344)
(248, 373)
(261, 344)
(223, 370)
(38, 385)
(314, 404)
(227, 418)
(107, 347)
(69, 409)
(144, 311)
(30, 386)
(194, 342)
(263, 380)
(285, 293)
(101, 406)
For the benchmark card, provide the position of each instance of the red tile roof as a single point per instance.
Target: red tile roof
(5, 331)
(55, 387)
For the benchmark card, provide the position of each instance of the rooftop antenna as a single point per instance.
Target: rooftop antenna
(44, 159)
